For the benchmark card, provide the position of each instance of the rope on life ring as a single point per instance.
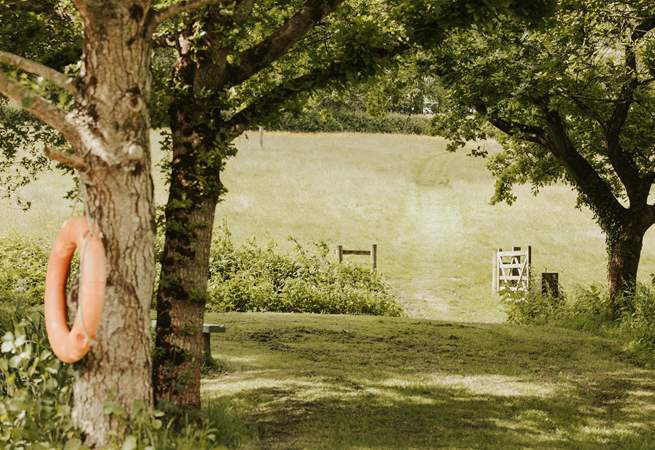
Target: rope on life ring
(70, 345)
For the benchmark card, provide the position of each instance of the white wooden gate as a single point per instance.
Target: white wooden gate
(511, 269)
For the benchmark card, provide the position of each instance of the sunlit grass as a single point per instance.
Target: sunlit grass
(427, 209)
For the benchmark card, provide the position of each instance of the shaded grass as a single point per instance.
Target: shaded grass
(312, 382)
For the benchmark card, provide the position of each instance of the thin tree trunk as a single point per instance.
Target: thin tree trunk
(114, 85)
(624, 252)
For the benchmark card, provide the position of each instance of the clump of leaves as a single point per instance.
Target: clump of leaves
(35, 390)
(263, 278)
(531, 307)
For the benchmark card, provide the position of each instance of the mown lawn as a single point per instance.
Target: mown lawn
(337, 382)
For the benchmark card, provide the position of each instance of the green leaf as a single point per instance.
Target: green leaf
(73, 444)
(130, 443)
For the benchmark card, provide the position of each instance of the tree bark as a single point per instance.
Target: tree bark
(114, 86)
(181, 298)
(194, 192)
(624, 252)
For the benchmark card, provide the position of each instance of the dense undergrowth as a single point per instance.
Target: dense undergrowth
(249, 277)
(589, 309)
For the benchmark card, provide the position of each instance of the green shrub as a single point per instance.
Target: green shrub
(342, 120)
(255, 278)
(531, 307)
(35, 389)
(23, 265)
(590, 310)
(639, 323)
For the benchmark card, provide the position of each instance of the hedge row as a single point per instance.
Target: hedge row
(334, 121)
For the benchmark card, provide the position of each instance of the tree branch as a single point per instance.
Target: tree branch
(279, 42)
(55, 77)
(71, 161)
(590, 184)
(181, 7)
(316, 79)
(41, 108)
(622, 163)
(531, 133)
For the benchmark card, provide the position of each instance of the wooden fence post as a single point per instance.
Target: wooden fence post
(340, 253)
(261, 137)
(374, 256)
(550, 284)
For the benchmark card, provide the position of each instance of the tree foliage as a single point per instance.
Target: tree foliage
(572, 100)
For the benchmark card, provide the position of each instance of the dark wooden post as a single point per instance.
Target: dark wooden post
(550, 284)
(207, 340)
(374, 256)
(340, 253)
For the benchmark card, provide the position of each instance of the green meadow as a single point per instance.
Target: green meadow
(427, 209)
(448, 375)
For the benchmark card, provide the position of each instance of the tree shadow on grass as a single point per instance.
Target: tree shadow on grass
(347, 414)
(429, 385)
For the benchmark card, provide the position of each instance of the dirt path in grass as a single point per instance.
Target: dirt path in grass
(336, 382)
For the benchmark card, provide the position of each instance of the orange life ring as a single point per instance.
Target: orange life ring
(70, 345)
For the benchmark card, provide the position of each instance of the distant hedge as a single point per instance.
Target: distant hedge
(333, 121)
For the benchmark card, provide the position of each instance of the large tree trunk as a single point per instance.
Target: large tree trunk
(114, 85)
(624, 252)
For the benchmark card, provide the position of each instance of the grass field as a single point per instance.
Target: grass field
(428, 210)
(336, 382)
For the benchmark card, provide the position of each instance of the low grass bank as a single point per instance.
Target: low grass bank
(327, 382)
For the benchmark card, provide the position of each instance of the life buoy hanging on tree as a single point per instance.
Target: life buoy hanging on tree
(70, 345)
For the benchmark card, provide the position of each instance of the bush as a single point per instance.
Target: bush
(23, 266)
(531, 307)
(35, 389)
(590, 310)
(254, 278)
(341, 120)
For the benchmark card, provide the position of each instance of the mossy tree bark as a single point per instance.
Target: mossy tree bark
(182, 292)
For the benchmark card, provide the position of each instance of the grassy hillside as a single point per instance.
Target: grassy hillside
(428, 211)
(336, 382)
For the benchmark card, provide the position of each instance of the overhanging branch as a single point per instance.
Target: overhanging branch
(55, 77)
(184, 6)
(40, 108)
(314, 79)
(279, 42)
(71, 161)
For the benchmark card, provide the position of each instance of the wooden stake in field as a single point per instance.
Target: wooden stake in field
(373, 253)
